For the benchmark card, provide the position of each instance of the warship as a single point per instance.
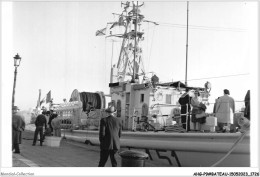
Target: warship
(149, 109)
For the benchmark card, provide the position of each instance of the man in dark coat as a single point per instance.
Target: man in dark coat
(39, 123)
(184, 101)
(109, 137)
(52, 116)
(18, 125)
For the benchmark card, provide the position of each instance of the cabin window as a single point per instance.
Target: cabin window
(118, 114)
(142, 98)
(127, 98)
(168, 99)
(144, 110)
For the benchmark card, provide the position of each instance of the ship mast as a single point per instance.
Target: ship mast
(130, 62)
(133, 77)
(186, 70)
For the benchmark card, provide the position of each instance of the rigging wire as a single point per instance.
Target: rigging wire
(147, 44)
(218, 77)
(149, 58)
(203, 27)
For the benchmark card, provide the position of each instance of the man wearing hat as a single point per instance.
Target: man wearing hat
(225, 108)
(18, 126)
(184, 101)
(109, 137)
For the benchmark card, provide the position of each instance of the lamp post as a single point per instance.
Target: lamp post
(17, 60)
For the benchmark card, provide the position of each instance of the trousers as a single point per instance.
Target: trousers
(38, 129)
(104, 156)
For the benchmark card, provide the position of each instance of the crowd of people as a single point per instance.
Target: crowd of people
(193, 110)
(109, 132)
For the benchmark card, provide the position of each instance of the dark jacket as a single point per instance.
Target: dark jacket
(110, 133)
(52, 116)
(184, 100)
(41, 121)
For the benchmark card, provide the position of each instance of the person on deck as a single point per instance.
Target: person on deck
(195, 103)
(201, 116)
(154, 80)
(225, 108)
(184, 101)
(109, 137)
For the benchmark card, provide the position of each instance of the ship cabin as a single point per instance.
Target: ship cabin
(136, 102)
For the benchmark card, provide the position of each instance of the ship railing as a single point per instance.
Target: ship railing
(237, 113)
(167, 105)
(238, 104)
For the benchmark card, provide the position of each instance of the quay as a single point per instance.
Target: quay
(69, 154)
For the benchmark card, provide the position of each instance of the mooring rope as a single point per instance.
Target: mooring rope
(231, 149)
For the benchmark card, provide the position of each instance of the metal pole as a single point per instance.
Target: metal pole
(136, 20)
(15, 73)
(111, 67)
(187, 116)
(187, 44)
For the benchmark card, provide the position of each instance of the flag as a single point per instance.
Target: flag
(101, 32)
(119, 23)
(48, 97)
(43, 100)
(39, 99)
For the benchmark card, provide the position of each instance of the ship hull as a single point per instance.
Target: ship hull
(180, 149)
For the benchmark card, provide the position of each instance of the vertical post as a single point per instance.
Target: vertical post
(111, 67)
(136, 20)
(187, 116)
(15, 73)
(187, 44)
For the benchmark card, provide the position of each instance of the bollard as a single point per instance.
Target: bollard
(130, 158)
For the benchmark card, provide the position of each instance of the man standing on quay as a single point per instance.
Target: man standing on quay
(109, 137)
(39, 123)
(18, 125)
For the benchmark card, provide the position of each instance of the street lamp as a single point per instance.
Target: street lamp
(17, 60)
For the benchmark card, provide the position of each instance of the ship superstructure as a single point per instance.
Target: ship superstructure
(136, 96)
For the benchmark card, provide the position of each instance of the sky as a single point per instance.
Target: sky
(60, 51)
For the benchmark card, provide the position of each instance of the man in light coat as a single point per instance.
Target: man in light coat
(225, 108)
(56, 124)
(109, 137)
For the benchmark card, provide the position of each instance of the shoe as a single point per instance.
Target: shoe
(33, 144)
(41, 144)
(17, 152)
